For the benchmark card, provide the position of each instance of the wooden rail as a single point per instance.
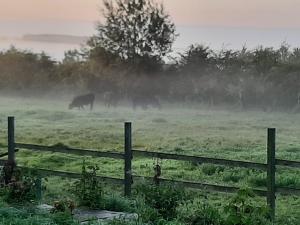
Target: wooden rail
(65, 174)
(72, 151)
(281, 162)
(202, 186)
(197, 159)
(127, 156)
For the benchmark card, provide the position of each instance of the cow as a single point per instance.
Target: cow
(145, 101)
(80, 101)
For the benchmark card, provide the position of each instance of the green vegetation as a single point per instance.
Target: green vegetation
(88, 188)
(191, 131)
(204, 94)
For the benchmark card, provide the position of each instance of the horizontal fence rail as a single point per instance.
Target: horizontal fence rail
(129, 153)
(289, 163)
(202, 186)
(65, 174)
(72, 151)
(197, 159)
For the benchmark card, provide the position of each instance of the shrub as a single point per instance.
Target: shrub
(117, 203)
(23, 187)
(24, 217)
(244, 210)
(88, 188)
(198, 213)
(210, 169)
(64, 205)
(163, 198)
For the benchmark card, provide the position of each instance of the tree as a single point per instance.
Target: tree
(138, 31)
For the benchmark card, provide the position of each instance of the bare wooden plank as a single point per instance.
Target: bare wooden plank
(289, 163)
(203, 186)
(73, 151)
(288, 191)
(197, 159)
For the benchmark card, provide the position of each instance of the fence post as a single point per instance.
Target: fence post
(128, 158)
(11, 162)
(11, 140)
(271, 188)
(39, 193)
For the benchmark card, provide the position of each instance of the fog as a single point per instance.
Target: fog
(215, 37)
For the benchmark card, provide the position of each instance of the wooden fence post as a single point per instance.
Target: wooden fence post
(11, 161)
(271, 185)
(128, 158)
(11, 140)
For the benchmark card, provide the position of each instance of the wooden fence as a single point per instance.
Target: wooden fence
(127, 156)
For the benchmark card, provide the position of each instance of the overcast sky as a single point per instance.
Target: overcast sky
(236, 13)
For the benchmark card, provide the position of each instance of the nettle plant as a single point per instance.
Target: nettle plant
(88, 188)
(22, 186)
(244, 210)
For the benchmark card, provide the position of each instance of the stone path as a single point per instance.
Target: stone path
(86, 215)
(83, 215)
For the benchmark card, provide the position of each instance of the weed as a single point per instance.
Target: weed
(88, 188)
(244, 210)
(163, 198)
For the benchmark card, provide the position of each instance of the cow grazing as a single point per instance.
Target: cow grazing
(80, 101)
(145, 101)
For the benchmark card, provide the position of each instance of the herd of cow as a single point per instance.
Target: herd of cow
(111, 100)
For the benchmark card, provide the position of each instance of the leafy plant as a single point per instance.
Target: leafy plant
(23, 187)
(197, 212)
(244, 210)
(65, 205)
(163, 198)
(88, 188)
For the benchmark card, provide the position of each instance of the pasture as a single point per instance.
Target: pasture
(181, 129)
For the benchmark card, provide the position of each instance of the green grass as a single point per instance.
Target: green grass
(186, 130)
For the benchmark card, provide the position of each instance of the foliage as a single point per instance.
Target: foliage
(135, 29)
(117, 203)
(163, 198)
(244, 210)
(23, 217)
(88, 188)
(23, 187)
(197, 212)
(64, 205)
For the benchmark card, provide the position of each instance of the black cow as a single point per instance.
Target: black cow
(145, 101)
(80, 101)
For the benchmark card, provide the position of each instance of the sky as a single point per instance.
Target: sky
(216, 23)
(232, 13)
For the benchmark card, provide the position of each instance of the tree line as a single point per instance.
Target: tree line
(129, 56)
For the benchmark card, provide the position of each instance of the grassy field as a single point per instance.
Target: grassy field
(230, 134)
